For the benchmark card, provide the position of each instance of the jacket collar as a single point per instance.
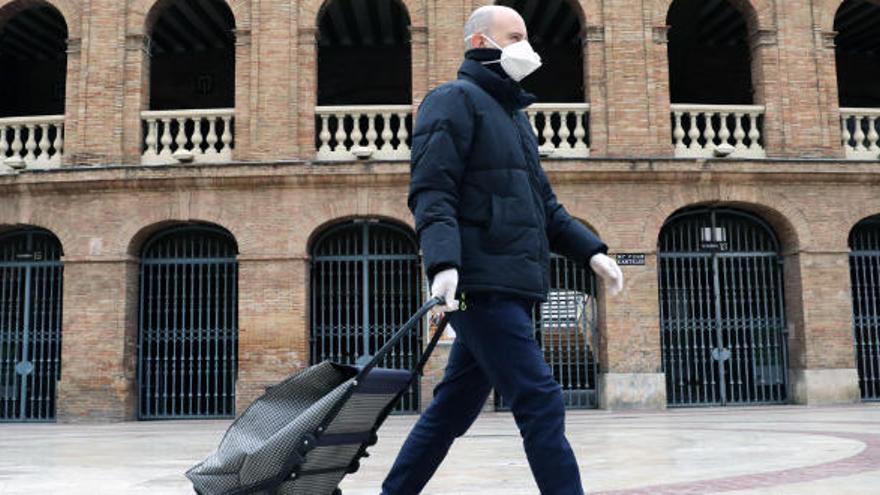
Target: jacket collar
(493, 79)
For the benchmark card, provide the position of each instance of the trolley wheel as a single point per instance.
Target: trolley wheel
(337, 492)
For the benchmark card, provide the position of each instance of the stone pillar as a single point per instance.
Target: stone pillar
(100, 90)
(596, 89)
(273, 335)
(419, 51)
(244, 125)
(819, 312)
(808, 123)
(636, 125)
(98, 340)
(629, 349)
(307, 54)
(137, 95)
(272, 85)
(72, 100)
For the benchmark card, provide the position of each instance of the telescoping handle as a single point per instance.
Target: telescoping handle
(403, 332)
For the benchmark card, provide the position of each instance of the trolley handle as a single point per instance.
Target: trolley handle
(400, 334)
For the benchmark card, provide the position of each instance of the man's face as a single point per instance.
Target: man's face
(507, 28)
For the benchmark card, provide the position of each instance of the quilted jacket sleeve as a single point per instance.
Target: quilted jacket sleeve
(441, 143)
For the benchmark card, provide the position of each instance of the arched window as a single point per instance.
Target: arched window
(710, 80)
(33, 71)
(191, 47)
(188, 324)
(858, 69)
(722, 309)
(366, 281)
(561, 116)
(364, 80)
(864, 263)
(30, 324)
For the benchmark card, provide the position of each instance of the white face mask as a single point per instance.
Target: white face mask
(517, 59)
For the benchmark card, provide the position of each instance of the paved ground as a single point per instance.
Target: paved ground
(768, 450)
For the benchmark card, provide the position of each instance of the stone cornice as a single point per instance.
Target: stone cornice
(396, 174)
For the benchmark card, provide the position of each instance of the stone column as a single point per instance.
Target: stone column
(636, 125)
(244, 125)
(819, 312)
(273, 335)
(629, 350)
(72, 101)
(596, 89)
(98, 340)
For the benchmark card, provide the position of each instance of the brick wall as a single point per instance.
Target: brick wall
(274, 203)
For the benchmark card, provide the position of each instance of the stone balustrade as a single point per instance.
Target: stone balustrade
(31, 142)
(174, 136)
(860, 132)
(718, 130)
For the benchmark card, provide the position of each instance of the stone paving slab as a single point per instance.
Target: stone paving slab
(742, 451)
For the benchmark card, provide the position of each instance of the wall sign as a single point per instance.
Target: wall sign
(631, 259)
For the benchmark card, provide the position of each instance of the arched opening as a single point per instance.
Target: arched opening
(857, 51)
(864, 268)
(33, 58)
(188, 324)
(722, 309)
(710, 80)
(566, 328)
(191, 45)
(31, 277)
(366, 281)
(364, 80)
(561, 116)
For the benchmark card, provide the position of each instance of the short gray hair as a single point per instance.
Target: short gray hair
(479, 22)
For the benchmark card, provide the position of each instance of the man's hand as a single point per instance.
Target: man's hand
(607, 268)
(443, 286)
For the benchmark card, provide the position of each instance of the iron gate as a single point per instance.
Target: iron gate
(188, 324)
(864, 263)
(30, 325)
(722, 317)
(366, 282)
(566, 330)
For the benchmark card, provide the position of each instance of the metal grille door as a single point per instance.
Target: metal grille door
(188, 325)
(864, 262)
(722, 317)
(30, 325)
(566, 330)
(366, 282)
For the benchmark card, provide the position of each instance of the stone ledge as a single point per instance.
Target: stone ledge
(632, 391)
(824, 387)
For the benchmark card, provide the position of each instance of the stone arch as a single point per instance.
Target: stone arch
(788, 222)
(760, 15)
(825, 11)
(310, 13)
(139, 238)
(142, 14)
(316, 231)
(69, 10)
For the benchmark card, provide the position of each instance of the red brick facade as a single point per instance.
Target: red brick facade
(102, 204)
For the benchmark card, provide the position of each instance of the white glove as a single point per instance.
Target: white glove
(607, 268)
(443, 286)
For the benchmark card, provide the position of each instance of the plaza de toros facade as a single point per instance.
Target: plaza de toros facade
(200, 197)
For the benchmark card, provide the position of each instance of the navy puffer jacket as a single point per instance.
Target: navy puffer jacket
(481, 201)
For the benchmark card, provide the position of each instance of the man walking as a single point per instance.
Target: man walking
(487, 220)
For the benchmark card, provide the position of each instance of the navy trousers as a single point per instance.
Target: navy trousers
(494, 347)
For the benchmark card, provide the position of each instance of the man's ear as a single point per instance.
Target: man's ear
(478, 41)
